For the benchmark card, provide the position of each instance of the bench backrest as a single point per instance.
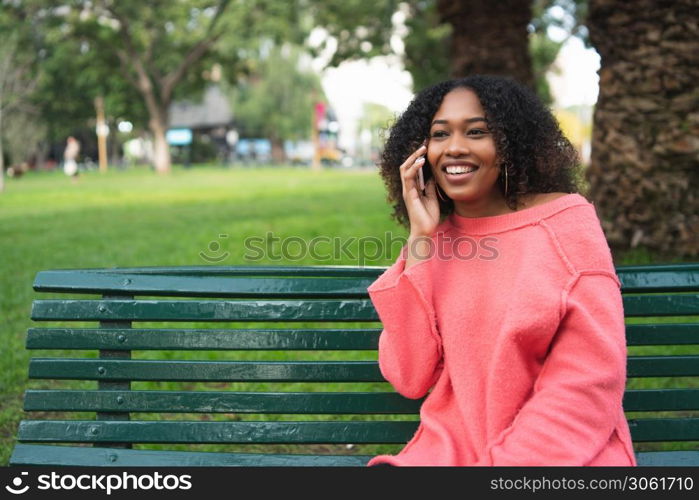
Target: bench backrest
(203, 379)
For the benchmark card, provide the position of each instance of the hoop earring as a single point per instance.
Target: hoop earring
(505, 181)
(439, 193)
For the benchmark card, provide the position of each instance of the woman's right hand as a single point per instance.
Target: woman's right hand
(423, 209)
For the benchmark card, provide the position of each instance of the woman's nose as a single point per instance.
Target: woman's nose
(457, 146)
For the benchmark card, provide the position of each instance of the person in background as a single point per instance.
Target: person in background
(70, 156)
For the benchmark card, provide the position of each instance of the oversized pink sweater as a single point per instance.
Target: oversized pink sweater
(516, 323)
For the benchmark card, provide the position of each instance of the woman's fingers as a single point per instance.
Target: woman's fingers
(410, 175)
(411, 159)
(408, 168)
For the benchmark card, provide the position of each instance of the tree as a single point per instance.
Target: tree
(158, 45)
(18, 80)
(457, 37)
(74, 72)
(566, 15)
(373, 128)
(644, 168)
(489, 37)
(427, 51)
(276, 99)
(161, 48)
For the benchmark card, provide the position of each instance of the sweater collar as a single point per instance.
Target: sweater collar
(512, 220)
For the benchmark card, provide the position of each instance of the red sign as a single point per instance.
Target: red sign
(320, 112)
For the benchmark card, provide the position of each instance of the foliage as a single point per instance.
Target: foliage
(276, 99)
(544, 52)
(427, 45)
(567, 15)
(122, 50)
(376, 118)
(357, 28)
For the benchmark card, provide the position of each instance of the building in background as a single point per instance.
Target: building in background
(211, 122)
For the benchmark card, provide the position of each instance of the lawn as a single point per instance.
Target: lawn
(194, 216)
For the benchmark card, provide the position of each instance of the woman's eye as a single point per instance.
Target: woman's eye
(477, 131)
(439, 133)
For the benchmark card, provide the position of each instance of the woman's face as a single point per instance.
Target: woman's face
(460, 142)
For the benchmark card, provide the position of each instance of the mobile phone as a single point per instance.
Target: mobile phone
(424, 174)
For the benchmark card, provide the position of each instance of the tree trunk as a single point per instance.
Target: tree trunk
(158, 125)
(644, 167)
(489, 37)
(278, 155)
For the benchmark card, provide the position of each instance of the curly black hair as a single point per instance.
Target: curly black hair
(528, 141)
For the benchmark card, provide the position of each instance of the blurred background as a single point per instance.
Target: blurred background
(314, 84)
(253, 83)
(170, 132)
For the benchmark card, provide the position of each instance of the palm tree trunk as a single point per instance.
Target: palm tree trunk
(644, 168)
(489, 37)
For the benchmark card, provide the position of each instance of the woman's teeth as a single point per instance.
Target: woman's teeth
(460, 170)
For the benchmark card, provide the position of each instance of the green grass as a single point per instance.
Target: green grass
(137, 218)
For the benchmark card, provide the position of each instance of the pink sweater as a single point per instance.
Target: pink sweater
(516, 324)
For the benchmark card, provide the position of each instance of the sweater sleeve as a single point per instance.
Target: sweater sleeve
(410, 348)
(575, 403)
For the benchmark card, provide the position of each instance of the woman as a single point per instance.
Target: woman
(70, 155)
(504, 302)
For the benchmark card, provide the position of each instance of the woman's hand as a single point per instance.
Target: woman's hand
(423, 209)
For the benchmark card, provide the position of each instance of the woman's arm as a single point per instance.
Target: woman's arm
(410, 349)
(577, 396)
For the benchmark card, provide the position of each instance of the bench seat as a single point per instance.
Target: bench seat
(225, 355)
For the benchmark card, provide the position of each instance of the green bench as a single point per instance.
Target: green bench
(117, 404)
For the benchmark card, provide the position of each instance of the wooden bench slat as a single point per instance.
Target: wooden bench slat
(203, 310)
(659, 278)
(221, 402)
(195, 286)
(661, 400)
(202, 339)
(644, 278)
(284, 310)
(326, 432)
(279, 371)
(662, 366)
(668, 459)
(280, 339)
(341, 271)
(667, 334)
(664, 429)
(92, 431)
(41, 454)
(661, 305)
(212, 371)
(292, 402)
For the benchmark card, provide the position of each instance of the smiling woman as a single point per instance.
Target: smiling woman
(531, 154)
(520, 350)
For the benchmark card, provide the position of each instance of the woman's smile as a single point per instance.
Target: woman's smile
(458, 171)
